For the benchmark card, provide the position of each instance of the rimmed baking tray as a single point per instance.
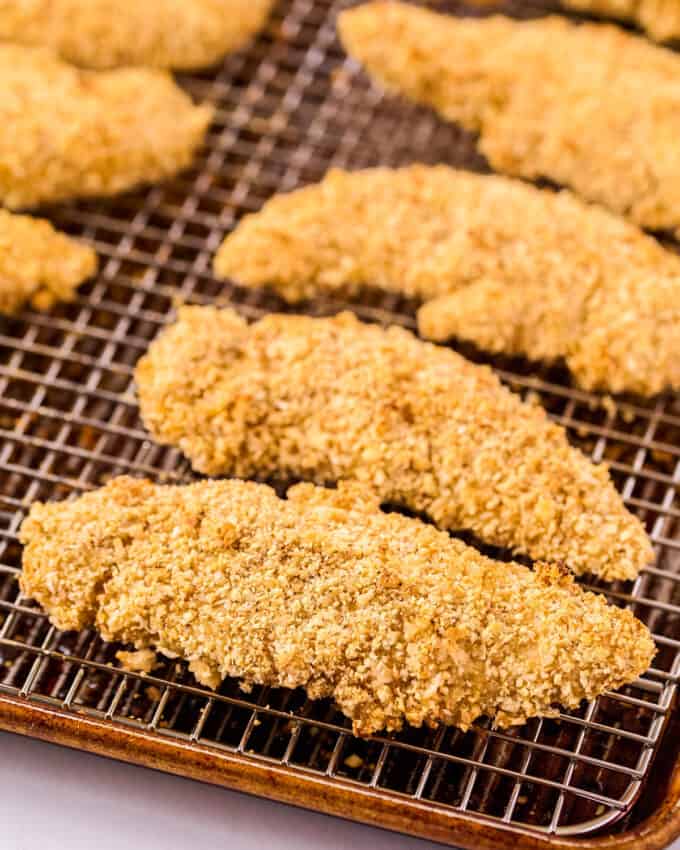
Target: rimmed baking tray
(288, 108)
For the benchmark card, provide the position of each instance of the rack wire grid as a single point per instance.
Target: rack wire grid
(289, 107)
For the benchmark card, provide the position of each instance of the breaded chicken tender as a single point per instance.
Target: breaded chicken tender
(659, 18)
(393, 619)
(39, 265)
(328, 400)
(182, 34)
(590, 107)
(512, 268)
(68, 133)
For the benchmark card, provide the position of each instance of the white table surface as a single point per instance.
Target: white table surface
(52, 798)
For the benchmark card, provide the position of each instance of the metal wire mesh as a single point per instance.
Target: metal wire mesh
(287, 109)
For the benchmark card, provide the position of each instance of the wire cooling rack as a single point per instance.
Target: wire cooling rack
(288, 108)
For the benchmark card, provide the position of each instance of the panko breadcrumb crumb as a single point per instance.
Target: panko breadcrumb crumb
(140, 661)
(505, 265)
(394, 620)
(659, 18)
(333, 399)
(182, 34)
(586, 106)
(38, 264)
(69, 133)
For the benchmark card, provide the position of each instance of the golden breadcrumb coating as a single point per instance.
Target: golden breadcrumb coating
(659, 18)
(590, 107)
(103, 34)
(502, 264)
(334, 399)
(73, 133)
(393, 619)
(38, 264)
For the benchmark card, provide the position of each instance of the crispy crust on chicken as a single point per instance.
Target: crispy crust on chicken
(182, 34)
(69, 133)
(505, 265)
(393, 619)
(659, 18)
(38, 264)
(590, 107)
(334, 399)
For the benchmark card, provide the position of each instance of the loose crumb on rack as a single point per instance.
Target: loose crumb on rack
(153, 693)
(139, 661)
